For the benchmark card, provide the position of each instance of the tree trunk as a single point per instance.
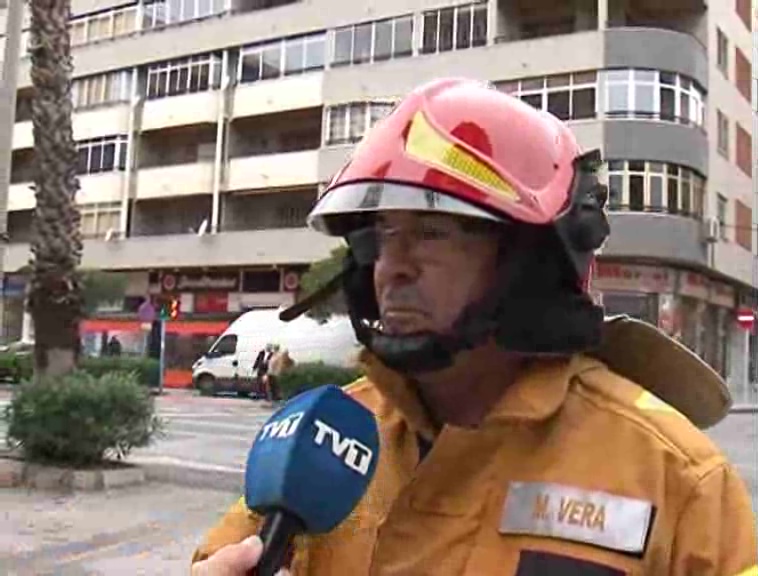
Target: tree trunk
(55, 299)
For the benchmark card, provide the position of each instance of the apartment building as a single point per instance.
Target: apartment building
(207, 128)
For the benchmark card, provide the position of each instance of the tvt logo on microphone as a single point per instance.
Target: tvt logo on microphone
(283, 428)
(351, 452)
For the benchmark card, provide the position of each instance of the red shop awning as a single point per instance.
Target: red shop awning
(104, 325)
(197, 328)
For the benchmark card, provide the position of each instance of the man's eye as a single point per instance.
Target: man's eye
(433, 233)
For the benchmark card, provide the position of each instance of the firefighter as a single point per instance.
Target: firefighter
(510, 444)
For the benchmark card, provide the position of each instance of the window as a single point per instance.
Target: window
(98, 219)
(722, 52)
(101, 155)
(373, 41)
(742, 74)
(454, 28)
(642, 186)
(743, 11)
(104, 25)
(283, 57)
(723, 134)
(567, 96)
(292, 215)
(743, 225)
(101, 89)
(744, 152)
(347, 123)
(226, 346)
(261, 281)
(167, 12)
(721, 206)
(637, 93)
(188, 75)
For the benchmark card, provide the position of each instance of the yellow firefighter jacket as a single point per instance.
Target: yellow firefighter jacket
(576, 471)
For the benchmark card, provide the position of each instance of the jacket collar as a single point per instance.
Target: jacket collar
(537, 394)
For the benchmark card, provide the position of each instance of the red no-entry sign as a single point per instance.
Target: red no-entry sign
(746, 318)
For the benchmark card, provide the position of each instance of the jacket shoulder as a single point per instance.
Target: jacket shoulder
(365, 391)
(662, 426)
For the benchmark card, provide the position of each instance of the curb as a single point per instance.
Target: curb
(16, 473)
(194, 475)
(744, 409)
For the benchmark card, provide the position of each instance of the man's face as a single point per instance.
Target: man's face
(429, 268)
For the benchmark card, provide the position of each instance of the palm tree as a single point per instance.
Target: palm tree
(55, 300)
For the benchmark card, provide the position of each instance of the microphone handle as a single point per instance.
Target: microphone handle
(277, 532)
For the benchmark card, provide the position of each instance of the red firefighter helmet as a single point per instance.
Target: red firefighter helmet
(489, 155)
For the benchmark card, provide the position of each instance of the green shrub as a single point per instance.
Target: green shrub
(302, 377)
(16, 367)
(80, 419)
(19, 368)
(148, 370)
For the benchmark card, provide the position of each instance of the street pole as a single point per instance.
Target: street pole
(163, 355)
(8, 84)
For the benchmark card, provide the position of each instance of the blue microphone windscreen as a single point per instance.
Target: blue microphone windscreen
(314, 458)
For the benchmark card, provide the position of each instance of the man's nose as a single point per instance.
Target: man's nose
(396, 259)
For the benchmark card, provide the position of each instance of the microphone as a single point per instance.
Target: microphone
(308, 468)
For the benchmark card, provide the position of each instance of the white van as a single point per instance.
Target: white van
(228, 364)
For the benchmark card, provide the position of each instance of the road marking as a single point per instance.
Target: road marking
(229, 437)
(219, 425)
(186, 464)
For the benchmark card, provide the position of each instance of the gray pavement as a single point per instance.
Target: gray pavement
(147, 530)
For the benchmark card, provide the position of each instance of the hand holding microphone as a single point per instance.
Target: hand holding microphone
(308, 468)
(233, 560)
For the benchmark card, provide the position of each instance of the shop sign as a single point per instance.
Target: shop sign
(610, 276)
(211, 302)
(200, 282)
(722, 295)
(694, 285)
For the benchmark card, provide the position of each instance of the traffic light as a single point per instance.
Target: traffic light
(174, 308)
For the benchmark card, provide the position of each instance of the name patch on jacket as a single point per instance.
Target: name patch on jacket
(557, 511)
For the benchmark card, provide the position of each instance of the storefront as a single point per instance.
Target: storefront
(697, 310)
(208, 301)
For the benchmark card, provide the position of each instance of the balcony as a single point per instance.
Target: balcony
(272, 96)
(501, 61)
(641, 235)
(23, 136)
(93, 189)
(183, 110)
(656, 49)
(21, 197)
(260, 247)
(285, 170)
(91, 123)
(177, 180)
(98, 188)
(656, 141)
(170, 216)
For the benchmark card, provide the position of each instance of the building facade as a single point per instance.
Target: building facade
(207, 128)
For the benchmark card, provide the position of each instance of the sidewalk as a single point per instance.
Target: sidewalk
(147, 530)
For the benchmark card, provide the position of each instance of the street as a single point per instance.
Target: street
(152, 529)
